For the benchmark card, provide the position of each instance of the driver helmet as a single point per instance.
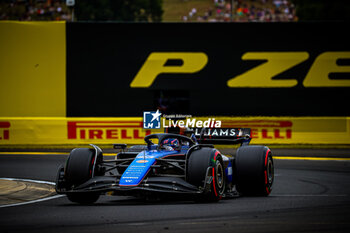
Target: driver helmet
(171, 142)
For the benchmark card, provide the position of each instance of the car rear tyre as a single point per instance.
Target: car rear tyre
(79, 169)
(254, 170)
(202, 163)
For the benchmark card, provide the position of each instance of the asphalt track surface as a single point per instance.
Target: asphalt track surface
(308, 196)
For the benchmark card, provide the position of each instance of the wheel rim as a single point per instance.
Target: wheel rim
(270, 171)
(219, 175)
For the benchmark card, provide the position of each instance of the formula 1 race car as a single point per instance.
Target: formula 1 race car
(170, 164)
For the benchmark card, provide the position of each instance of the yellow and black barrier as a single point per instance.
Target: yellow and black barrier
(65, 83)
(59, 69)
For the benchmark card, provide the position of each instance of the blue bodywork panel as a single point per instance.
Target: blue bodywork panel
(139, 168)
(228, 172)
(142, 163)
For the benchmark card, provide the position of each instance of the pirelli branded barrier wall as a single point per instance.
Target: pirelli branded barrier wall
(265, 130)
(71, 83)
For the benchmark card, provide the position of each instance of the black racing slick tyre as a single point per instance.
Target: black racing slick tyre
(206, 163)
(254, 170)
(79, 169)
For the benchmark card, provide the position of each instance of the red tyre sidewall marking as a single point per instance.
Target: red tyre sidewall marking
(214, 187)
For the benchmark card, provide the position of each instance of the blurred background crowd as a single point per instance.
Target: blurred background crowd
(34, 10)
(175, 10)
(244, 11)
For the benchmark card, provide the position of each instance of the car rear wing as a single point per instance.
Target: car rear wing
(223, 136)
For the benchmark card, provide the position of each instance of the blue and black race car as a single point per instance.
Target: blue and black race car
(170, 164)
